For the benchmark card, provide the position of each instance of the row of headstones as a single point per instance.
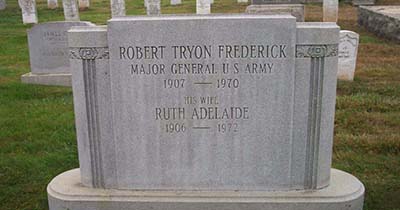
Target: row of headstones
(71, 13)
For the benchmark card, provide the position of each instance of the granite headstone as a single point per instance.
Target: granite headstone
(205, 112)
(48, 53)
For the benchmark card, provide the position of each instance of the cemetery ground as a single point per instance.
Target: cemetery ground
(37, 134)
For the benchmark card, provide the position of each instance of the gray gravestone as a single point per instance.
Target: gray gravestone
(48, 51)
(348, 47)
(3, 4)
(268, 7)
(173, 115)
(297, 10)
(117, 8)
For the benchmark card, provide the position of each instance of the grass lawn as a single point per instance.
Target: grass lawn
(37, 134)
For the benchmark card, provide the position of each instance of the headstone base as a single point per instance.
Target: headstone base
(384, 21)
(47, 79)
(66, 192)
(297, 10)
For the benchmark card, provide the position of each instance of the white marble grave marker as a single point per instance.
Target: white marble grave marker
(348, 47)
(330, 10)
(29, 14)
(153, 7)
(118, 8)
(84, 4)
(71, 12)
(52, 4)
(203, 7)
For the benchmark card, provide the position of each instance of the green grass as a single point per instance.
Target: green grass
(37, 134)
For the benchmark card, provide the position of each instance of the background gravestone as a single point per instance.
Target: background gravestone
(293, 7)
(84, 4)
(3, 4)
(118, 7)
(52, 4)
(48, 53)
(348, 47)
(29, 13)
(153, 7)
(203, 7)
(71, 12)
(384, 21)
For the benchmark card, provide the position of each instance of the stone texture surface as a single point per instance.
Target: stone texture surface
(203, 7)
(284, 143)
(362, 2)
(297, 10)
(48, 47)
(84, 4)
(348, 47)
(71, 12)
(384, 21)
(52, 4)
(66, 192)
(47, 79)
(153, 7)
(29, 13)
(330, 10)
(118, 7)
(3, 4)
(184, 171)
